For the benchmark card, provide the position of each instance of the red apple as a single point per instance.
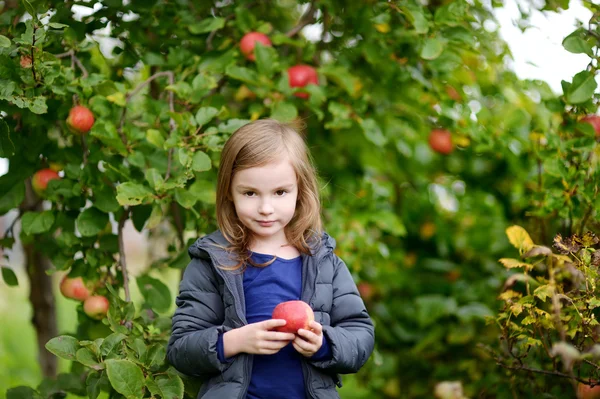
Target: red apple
(249, 41)
(74, 288)
(366, 290)
(96, 307)
(593, 120)
(586, 392)
(300, 76)
(297, 315)
(80, 119)
(41, 178)
(440, 140)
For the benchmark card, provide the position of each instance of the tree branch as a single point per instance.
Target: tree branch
(122, 260)
(307, 18)
(74, 60)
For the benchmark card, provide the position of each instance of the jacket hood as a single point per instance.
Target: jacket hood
(213, 246)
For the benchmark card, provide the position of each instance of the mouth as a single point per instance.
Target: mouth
(265, 223)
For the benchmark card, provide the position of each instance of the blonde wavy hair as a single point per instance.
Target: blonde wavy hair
(257, 144)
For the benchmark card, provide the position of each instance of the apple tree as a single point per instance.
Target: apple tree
(115, 112)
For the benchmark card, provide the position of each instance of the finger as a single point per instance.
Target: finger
(304, 345)
(272, 323)
(279, 336)
(273, 345)
(308, 335)
(316, 327)
(298, 348)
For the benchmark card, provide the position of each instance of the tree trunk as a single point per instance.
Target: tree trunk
(40, 295)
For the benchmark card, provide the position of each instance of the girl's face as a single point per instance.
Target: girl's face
(265, 199)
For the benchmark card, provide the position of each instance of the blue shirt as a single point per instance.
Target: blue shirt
(265, 288)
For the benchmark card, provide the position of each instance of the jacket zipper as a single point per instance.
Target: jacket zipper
(307, 370)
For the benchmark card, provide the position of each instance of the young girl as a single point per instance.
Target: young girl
(270, 249)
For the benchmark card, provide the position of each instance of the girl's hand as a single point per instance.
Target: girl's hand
(256, 338)
(308, 342)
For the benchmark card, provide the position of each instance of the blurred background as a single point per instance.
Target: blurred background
(435, 127)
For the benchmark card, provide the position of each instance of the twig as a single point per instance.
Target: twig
(169, 161)
(74, 60)
(33, 55)
(122, 260)
(212, 35)
(85, 149)
(307, 18)
(555, 373)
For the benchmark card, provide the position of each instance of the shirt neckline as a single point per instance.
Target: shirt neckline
(277, 258)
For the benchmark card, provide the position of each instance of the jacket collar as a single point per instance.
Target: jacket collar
(212, 247)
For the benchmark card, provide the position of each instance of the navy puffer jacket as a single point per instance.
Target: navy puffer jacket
(211, 301)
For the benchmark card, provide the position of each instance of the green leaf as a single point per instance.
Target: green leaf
(205, 115)
(38, 105)
(95, 383)
(111, 342)
(107, 133)
(473, 311)
(184, 157)
(56, 25)
(155, 356)
(12, 194)
(30, 9)
(582, 89)
(543, 292)
(207, 25)
(87, 358)
(266, 59)
(155, 138)
(201, 162)
(432, 307)
(242, 74)
(155, 292)
(7, 147)
(204, 191)
(284, 111)
(63, 346)
(576, 43)
(91, 221)
(130, 193)
(23, 393)
(416, 17)
(156, 216)
(4, 41)
(432, 48)
(9, 276)
(343, 78)
(169, 386)
(232, 125)
(185, 198)
(373, 132)
(154, 178)
(126, 378)
(37, 222)
(105, 199)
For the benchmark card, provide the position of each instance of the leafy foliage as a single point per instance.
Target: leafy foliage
(421, 231)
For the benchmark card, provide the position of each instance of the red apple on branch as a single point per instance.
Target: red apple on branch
(300, 76)
(74, 288)
(80, 119)
(593, 120)
(248, 43)
(440, 140)
(41, 178)
(96, 307)
(587, 392)
(297, 315)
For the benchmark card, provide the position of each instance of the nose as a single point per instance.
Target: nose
(265, 208)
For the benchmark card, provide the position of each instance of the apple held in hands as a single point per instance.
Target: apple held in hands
(96, 307)
(587, 392)
(41, 178)
(297, 315)
(80, 119)
(300, 76)
(74, 288)
(248, 43)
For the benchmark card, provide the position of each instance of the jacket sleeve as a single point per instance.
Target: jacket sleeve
(351, 334)
(197, 322)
